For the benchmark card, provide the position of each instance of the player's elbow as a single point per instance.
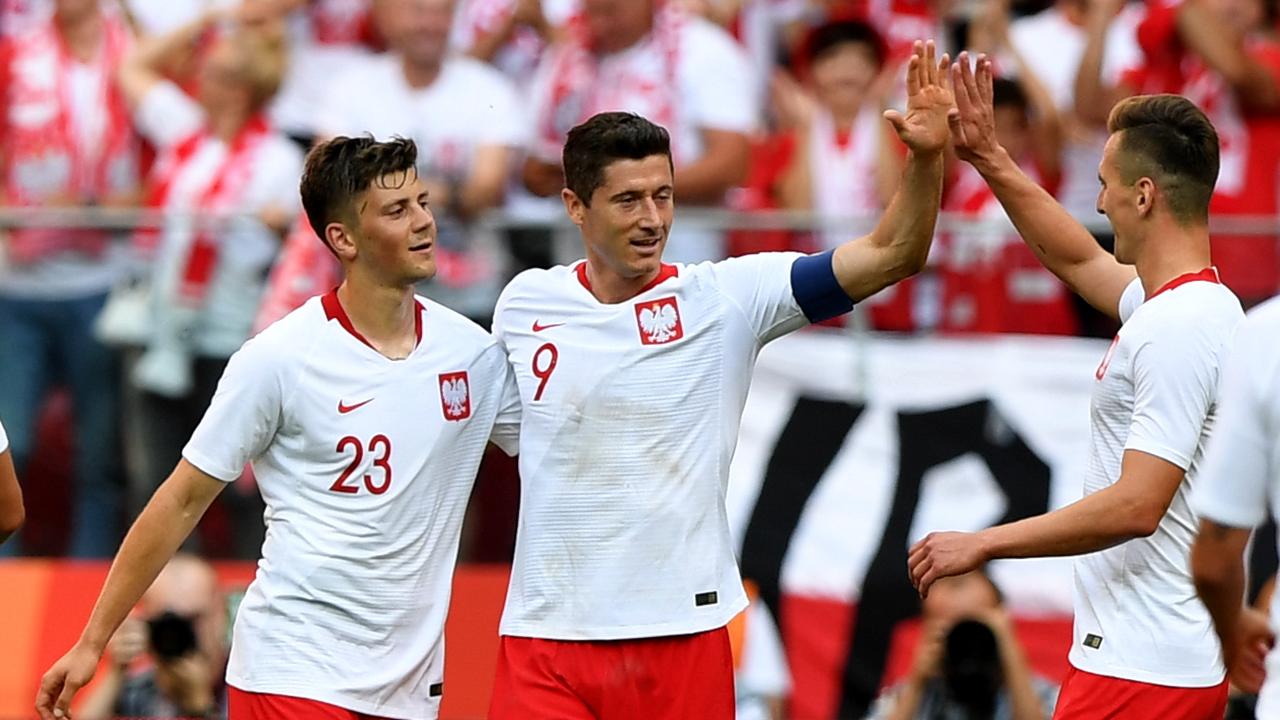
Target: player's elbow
(1140, 517)
(11, 520)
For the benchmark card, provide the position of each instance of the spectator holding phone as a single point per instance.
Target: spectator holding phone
(168, 660)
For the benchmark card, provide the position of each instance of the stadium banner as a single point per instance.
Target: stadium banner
(854, 447)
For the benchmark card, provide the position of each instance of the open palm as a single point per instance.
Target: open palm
(924, 126)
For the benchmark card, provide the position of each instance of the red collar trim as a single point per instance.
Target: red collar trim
(333, 310)
(1209, 274)
(665, 273)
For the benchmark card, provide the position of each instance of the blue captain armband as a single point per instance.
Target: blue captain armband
(815, 288)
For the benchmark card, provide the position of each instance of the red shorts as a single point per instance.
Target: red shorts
(664, 678)
(1085, 696)
(243, 705)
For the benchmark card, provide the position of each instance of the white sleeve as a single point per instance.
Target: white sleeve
(506, 428)
(4, 440)
(1175, 379)
(166, 116)
(1232, 488)
(760, 286)
(1131, 299)
(242, 417)
(717, 90)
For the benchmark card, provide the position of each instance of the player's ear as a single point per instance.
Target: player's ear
(1146, 195)
(573, 205)
(340, 239)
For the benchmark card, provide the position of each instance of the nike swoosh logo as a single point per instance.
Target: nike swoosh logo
(344, 409)
(539, 328)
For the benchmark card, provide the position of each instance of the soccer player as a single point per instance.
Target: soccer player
(365, 413)
(1143, 645)
(1241, 472)
(633, 374)
(11, 512)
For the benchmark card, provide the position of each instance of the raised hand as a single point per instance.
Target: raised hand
(943, 554)
(973, 119)
(924, 126)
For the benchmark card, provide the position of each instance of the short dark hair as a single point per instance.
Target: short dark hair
(340, 170)
(1006, 92)
(1170, 140)
(603, 139)
(828, 36)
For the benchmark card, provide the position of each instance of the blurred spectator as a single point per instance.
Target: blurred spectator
(680, 71)
(20, 16)
(510, 34)
(11, 512)
(841, 157)
(466, 119)
(168, 660)
(228, 182)
(65, 141)
(305, 268)
(1223, 56)
(969, 663)
(1052, 43)
(899, 22)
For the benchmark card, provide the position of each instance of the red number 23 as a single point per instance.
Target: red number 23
(380, 447)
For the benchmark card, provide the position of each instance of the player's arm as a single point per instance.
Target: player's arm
(143, 67)
(1217, 565)
(899, 245)
(1061, 243)
(166, 521)
(1206, 35)
(1130, 508)
(12, 513)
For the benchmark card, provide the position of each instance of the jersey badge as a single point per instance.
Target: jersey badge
(659, 321)
(455, 395)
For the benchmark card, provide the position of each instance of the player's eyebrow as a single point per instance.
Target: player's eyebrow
(393, 205)
(625, 195)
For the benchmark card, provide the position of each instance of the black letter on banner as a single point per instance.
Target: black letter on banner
(926, 440)
(805, 449)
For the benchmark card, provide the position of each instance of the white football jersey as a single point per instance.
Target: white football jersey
(1241, 479)
(4, 439)
(366, 465)
(1137, 616)
(630, 419)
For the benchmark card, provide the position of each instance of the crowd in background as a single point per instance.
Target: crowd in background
(200, 112)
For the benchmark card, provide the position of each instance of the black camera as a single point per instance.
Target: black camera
(172, 636)
(971, 669)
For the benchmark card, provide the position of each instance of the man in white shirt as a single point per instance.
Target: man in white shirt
(466, 118)
(632, 375)
(365, 413)
(1142, 645)
(654, 59)
(1240, 485)
(11, 510)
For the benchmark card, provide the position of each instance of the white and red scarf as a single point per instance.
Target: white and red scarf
(579, 88)
(46, 161)
(223, 193)
(843, 169)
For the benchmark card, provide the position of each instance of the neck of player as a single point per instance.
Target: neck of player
(609, 287)
(385, 316)
(1183, 251)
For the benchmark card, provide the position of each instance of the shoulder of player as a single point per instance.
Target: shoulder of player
(1199, 313)
(536, 283)
(459, 328)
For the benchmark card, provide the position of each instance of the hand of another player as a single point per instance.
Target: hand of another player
(973, 120)
(64, 680)
(929, 99)
(1246, 656)
(943, 554)
(128, 643)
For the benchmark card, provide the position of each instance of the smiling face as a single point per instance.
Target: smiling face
(625, 227)
(392, 234)
(1118, 200)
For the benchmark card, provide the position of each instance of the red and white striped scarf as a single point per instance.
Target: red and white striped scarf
(46, 161)
(223, 193)
(578, 91)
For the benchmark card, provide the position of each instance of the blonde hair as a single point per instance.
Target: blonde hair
(263, 54)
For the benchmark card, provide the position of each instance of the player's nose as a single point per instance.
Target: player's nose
(649, 216)
(423, 219)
